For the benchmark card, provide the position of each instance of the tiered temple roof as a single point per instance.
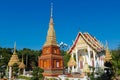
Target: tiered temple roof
(90, 40)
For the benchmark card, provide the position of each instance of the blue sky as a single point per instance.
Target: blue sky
(26, 21)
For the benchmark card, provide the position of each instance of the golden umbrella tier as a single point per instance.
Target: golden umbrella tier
(107, 54)
(22, 65)
(14, 59)
(72, 62)
(51, 37)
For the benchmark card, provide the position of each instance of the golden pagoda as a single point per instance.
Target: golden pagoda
(51, 37)
(14, 59)
(22, 65)
(71, 62)
(107, 54)
(51, 60)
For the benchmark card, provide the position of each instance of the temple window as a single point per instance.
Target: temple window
(41, 63)
(45, 65)
(57, 64)
(47, 51)
(96, 57)
(81, 64)
(81, 61)
(93, 63)
(55, 51)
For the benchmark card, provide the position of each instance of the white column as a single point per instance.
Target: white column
(90, 62)
(99, 61)
(24, 71)
(68, 69)
(77, 59)
(94, 58)
(73, 70)
(10, 73)
(73, 58)
(102, 62)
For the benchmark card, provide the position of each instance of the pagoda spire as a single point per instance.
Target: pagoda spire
(14, 48)
(51, 15)
(51, 37)
(107, 50)
(51, 12)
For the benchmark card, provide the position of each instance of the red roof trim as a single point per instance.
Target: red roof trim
(75, 42)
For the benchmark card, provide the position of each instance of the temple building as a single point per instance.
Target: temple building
(51, 60)
(14, 59)
(86, 52)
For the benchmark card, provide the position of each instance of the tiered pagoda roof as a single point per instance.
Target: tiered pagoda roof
(14, 59)
(22, 65)
(107, 54)
(51, 37)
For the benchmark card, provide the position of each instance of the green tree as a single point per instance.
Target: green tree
(37, 73)
(66, 59)
(30, 56)
(116, 62)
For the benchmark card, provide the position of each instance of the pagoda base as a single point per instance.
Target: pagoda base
(52, 72)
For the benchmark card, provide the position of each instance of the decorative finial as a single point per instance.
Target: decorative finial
(14, 46)
(51, 14)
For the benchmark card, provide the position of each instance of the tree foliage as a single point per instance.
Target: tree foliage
(37, 73)
(116, 62)
(30, 57)
(66, 59)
